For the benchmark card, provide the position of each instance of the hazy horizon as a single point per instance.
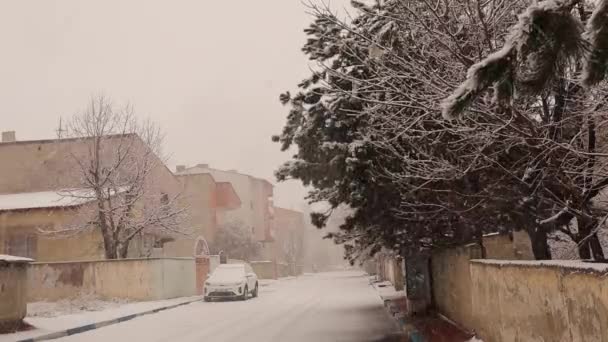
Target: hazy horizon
(210, 74)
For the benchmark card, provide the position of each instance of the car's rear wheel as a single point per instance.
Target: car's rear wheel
(255, 291)
(245, 292)
(207, 299)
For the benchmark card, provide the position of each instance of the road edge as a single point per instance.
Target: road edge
(93, 326)
(397, 315)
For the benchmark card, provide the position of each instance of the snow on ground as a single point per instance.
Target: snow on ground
(44, 323)
(563, 248)
(387, 290)
(336, 307)
(268, 282)
(71, 306)
(474, 339)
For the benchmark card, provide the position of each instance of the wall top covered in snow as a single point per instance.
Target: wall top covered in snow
(14, 259)
(572, 265)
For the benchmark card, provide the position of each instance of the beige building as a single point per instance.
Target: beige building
(34, 176)
(208, 201)
(24, 215)
(255, 196)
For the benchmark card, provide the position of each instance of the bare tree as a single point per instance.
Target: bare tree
(116, 162)
(236, 241)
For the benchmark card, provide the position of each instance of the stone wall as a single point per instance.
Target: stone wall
(135, 279)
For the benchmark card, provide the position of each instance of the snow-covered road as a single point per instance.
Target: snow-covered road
(339, 306)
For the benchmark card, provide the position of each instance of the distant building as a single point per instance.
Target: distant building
(288, 246)
(207, 201)
(255, 194)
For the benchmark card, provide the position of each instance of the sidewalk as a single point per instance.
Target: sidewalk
(418, 329)
(87, 320)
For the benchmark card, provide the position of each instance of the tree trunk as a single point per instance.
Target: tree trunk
(479, 236)
(109, 245)
(540, 245)
(583, 250)
(124, 250)
(596, 248)
(591, 246)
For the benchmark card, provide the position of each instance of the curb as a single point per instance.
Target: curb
(93, 326)
(408, 328)
(411, 333)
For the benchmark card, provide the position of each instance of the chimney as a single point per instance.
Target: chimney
(203, 166)
(180, 168)
(8, 137)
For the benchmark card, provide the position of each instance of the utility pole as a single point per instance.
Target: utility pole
(60, 129)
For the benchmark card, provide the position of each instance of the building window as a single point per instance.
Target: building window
(21, 245)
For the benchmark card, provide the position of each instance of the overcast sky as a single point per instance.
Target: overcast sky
(209, 72)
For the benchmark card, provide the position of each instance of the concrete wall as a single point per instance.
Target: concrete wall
(517, 300)
(452, 282)
(516, 246)
(264, 269)
(391, 268)
(539, 301)
(136, 279)
(13, 293)
(283, 270)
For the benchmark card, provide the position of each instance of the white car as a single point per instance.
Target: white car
(231, 281)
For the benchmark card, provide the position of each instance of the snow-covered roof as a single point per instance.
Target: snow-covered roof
(46, 199)
(12, 258)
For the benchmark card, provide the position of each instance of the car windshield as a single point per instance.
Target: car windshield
(228, 274)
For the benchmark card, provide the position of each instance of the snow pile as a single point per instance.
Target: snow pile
(474, 339)
(562, 247)
(71, 306)
(387, 291)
